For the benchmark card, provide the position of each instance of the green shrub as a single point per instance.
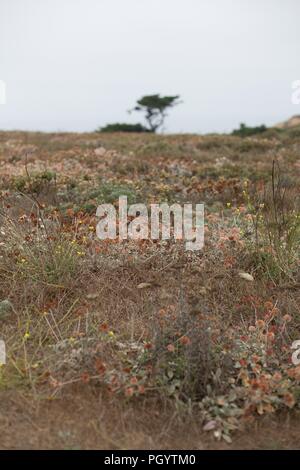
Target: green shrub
(123, 127)
(35, 183)
(246, 131)
(108, 193)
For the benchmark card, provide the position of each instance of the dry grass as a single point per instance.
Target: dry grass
(199, 345)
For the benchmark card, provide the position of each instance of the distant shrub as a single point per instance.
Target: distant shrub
(123, 127)
(36, 183)
(109, 192)
(245, 131)
(294, 132)
(273, 133)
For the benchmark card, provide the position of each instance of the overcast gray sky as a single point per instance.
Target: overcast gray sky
(73, 65)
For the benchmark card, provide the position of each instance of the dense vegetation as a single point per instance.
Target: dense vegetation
(143, 344)
(123, 127)
(246, 131)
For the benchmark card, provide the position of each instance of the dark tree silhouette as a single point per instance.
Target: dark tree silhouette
(155, 107)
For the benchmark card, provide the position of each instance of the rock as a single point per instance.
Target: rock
(246, 276)
(6, 309)
(100, 151)
(210, 425)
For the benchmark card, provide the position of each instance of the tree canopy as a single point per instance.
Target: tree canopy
(155, 107)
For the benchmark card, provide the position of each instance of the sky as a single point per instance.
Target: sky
(75, 65)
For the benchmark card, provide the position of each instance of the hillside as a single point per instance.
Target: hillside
(294, 121)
